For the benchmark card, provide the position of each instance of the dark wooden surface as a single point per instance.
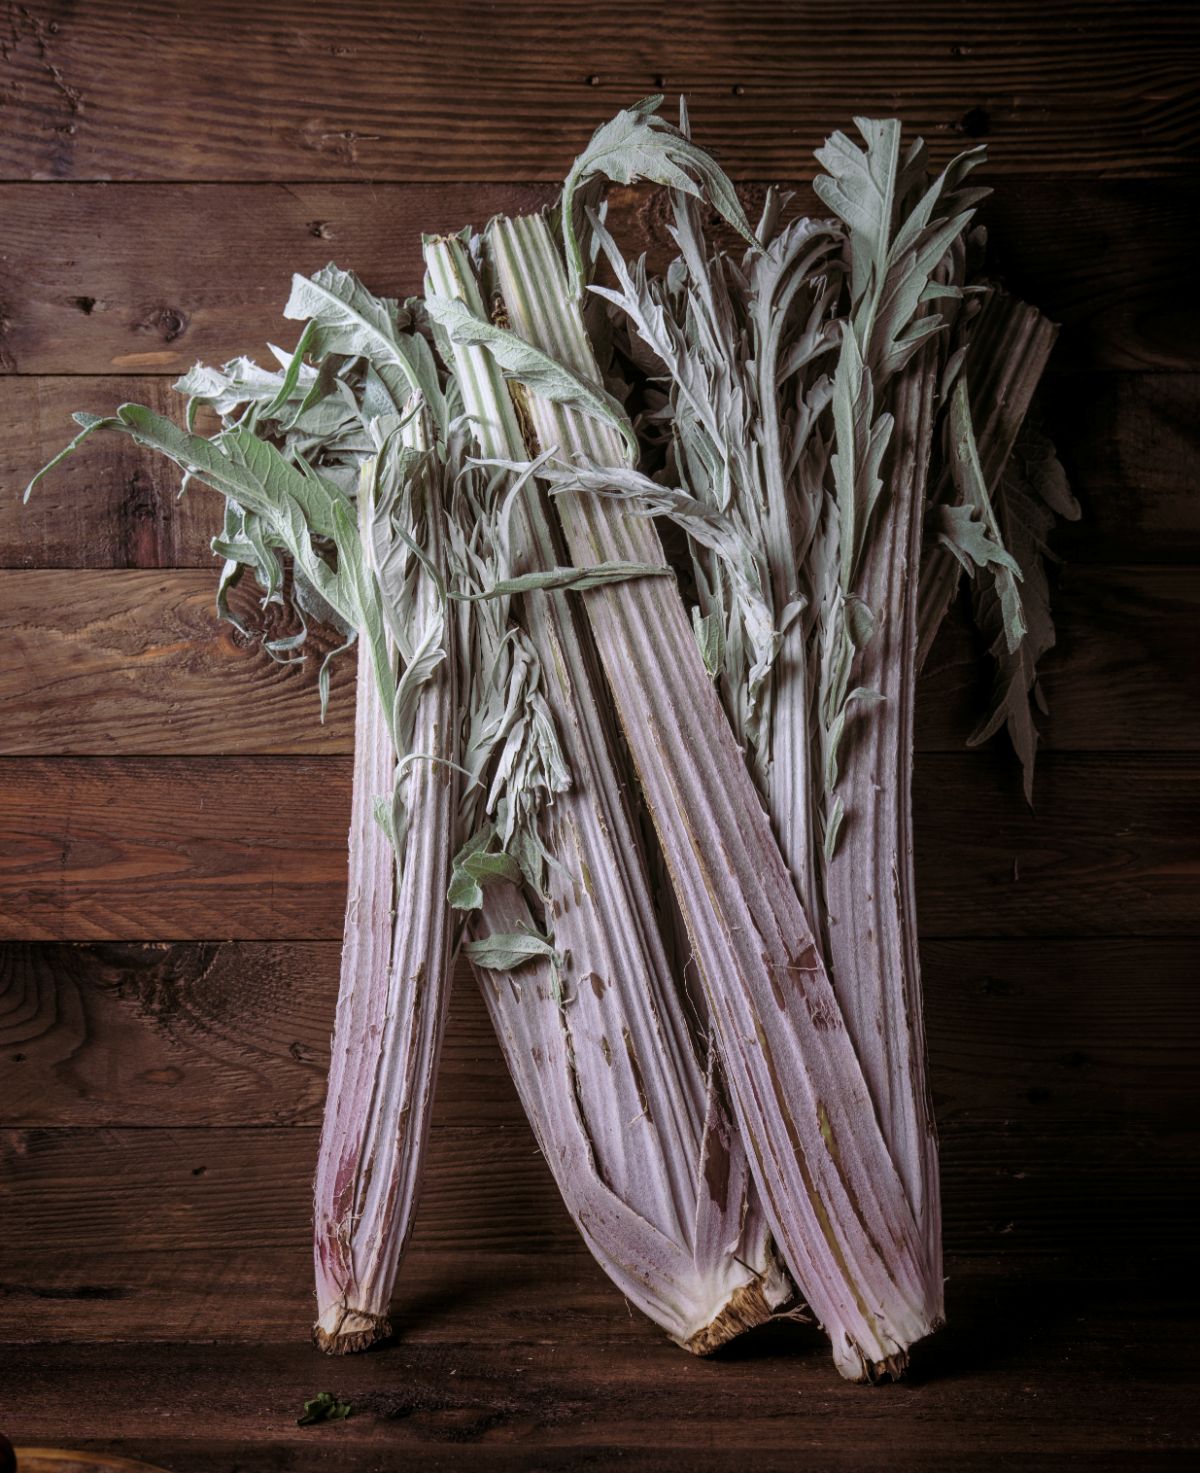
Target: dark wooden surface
(173, 817)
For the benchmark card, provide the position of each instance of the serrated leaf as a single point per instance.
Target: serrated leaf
(963, 532)
(1031, 491)
(971, 531)
(349, 320)
(638, 144)
(859, 186)
(291, 504)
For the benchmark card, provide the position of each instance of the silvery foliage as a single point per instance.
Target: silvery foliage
(299, 446)
(811, 329)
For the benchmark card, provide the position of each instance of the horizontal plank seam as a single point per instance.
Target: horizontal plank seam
(1174, 938)
(1053, 372)
(1016, 938)
(150, 373)
(1183, 174)
(943, 754)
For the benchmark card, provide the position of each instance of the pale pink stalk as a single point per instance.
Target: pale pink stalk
(391, 1010)
(870, 891)
(630, 1120)
(836, 1204)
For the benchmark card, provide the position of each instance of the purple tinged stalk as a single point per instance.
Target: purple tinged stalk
(392, 1003)
(630, 1120)
(835, 1202)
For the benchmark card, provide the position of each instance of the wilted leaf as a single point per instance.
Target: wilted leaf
(324, 1407)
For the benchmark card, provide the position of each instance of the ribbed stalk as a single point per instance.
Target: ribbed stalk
(392, 1001)
(870, 892)
(689, 1283)
(836, 1204)
(629, 1122)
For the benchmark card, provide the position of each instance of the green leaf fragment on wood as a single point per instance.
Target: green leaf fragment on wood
(324, 1407)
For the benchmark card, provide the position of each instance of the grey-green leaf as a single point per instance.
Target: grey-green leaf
(348, 319)
(579, 579)
(974, 522)
(638, 144)
(710, 636)
(476, 865)
(505, 951)
(520, 360)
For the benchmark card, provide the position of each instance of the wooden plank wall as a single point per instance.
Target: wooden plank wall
(173, 817)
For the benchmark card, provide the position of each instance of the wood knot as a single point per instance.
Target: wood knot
(168, 322)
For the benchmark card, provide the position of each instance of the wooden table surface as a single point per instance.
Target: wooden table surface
(173, 818)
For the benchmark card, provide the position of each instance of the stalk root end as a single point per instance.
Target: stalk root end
(345, 1331)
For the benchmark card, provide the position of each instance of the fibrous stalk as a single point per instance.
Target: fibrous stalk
(393, 993)
(832, 1194)
(629, 1117)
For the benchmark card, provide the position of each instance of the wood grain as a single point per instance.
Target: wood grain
(63, 1460)
(175, 848)
(449, 1455)
(159, 1098)
(128, 663)
(572, 1394)
(149, 278)
(112, 504)
(253, 848)
(1130, 443)
(194, 1034)
(228, 1197)
(207, 1233)
(1046, 1034)
(729, 1455)
(1118, 679)
(211, 279)
(410, 95)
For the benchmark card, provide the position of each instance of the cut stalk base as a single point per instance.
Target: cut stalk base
(894, 1367)
(745, 1308)
(345, 1331)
